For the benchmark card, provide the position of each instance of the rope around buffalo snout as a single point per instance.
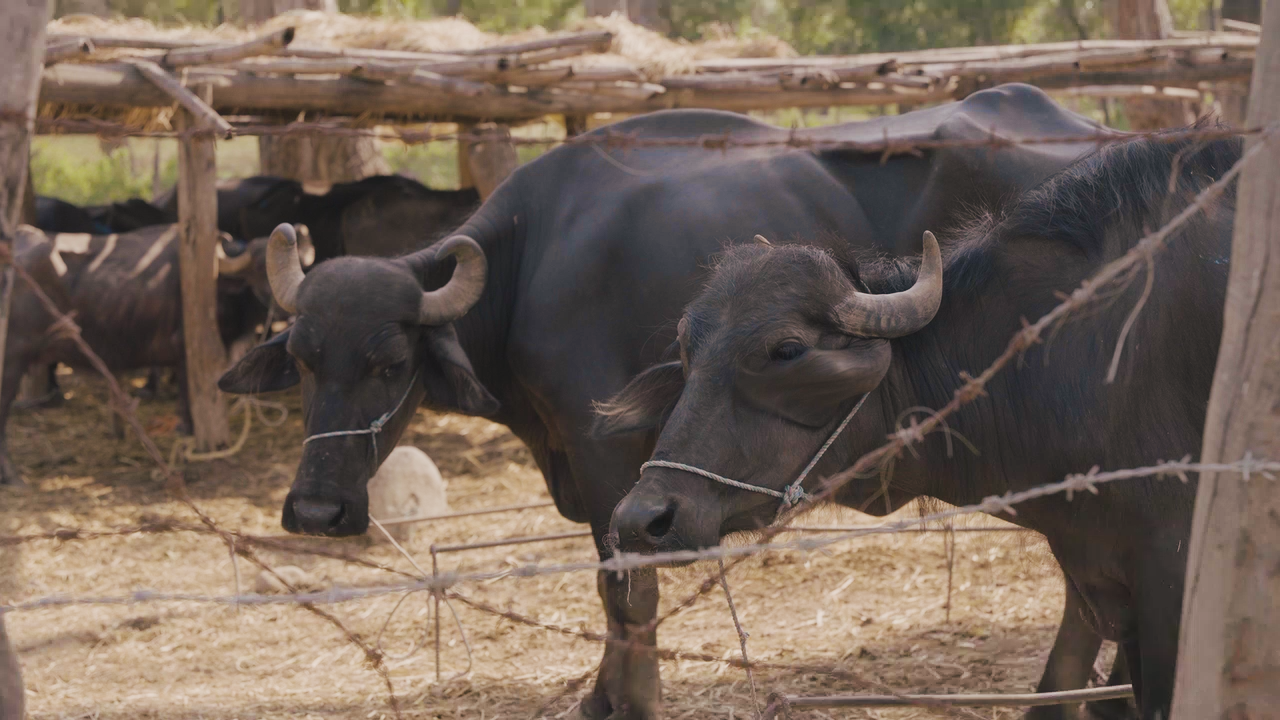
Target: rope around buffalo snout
(794, 493)
(375, 427)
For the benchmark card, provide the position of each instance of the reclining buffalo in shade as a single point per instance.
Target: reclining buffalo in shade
(788, 346)
(591, 253)
(126, 294)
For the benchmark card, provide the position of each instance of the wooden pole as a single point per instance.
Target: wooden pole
(1229, 651)
(22, 45)
(464, 158)
(198, 220)
(491, 158)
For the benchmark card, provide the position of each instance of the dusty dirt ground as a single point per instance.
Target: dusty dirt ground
(874, 606)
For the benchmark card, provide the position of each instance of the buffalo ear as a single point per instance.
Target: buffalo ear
(643, 403)
(266, 368)
(456, 387)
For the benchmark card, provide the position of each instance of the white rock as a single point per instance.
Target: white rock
(407, 485)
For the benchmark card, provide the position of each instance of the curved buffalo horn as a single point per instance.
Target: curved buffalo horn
(762, 240)
(284, 270)
(902, 313)
(463, 290)
(232, 266)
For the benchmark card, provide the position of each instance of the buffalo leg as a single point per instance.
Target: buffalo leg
(151, 390)
(55, 396)
(1071, 659)
(1120, 709)
(628, 686)
(14, 368)
(11, 693)
(1152, 652)
(186, 425)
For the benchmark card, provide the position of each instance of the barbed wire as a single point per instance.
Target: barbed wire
(974, 387)
(1247, 467)
(173, 480)
(608, 138)
(442, 584)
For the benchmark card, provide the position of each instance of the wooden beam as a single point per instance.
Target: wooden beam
(269, 44)
(464, 158)
(424, 78)
(121, 85)
(491, 158)
(67, 49)
(1229, 648)
(198, 242)
(208, 117)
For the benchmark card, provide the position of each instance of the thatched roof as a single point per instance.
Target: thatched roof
(653, 54)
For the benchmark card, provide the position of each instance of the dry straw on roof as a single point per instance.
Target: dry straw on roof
(654, 54)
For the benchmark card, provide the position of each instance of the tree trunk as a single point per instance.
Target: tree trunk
(1148, 20)
(1246, 10)
(82, 7)
(490, 159)
(1233, 98)
(1229, 651)
(647, 13)
(318, 161)
(253, 12)
(321, 160)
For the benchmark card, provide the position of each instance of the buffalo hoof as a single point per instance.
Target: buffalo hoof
(51, 399)
(1111, 710)
(592, 709)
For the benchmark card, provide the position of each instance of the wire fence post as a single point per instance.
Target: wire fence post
(435, 598)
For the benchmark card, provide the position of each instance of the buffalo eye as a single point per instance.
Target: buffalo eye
(787, 350)
(389, 372)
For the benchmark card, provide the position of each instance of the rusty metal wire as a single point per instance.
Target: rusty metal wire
(614, 139)
(1082, 482)
(442, 585)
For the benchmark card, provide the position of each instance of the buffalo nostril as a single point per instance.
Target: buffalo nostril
(318, 516)
(661, 525)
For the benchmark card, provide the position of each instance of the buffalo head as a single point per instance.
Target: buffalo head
(774, 353)
(368, 345)
(247, 263)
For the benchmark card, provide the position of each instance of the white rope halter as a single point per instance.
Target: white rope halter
(375, 427)
(792, 494)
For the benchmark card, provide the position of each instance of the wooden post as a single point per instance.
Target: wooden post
(491, 158)
(22, 24)
(1229, 650)
(575, 125)
(464, 157)
(1148, 19)
(1233, 98)
(198, 221)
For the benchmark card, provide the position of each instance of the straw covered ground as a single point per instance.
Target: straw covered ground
(874, 607)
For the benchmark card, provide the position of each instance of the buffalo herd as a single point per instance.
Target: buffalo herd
(617, 311)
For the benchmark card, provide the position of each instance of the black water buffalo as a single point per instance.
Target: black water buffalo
(126, 293)
(784, 341)
(59, 216)
(383, 215)
(592, 253)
